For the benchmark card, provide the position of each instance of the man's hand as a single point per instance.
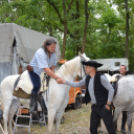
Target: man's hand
(107, 107)
(59, 80)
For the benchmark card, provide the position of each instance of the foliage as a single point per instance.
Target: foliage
(106, 26)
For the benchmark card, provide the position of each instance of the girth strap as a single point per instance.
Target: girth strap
(16, 82)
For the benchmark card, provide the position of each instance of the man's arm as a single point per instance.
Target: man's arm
(53, 75)
(76, 84)
(53, 68)
(109, 87)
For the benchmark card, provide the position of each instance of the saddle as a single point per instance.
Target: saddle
(23, 88)
(114, 81)
(23, 85)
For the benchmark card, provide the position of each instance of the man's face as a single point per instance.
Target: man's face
(51, 48)
(88, 69)
(122, 70)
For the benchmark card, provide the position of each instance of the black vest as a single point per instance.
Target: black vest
(101, 93)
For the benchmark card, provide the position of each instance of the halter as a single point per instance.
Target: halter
(67, 70)
(82, 66)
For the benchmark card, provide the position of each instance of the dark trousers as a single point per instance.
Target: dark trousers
(36, 81)
(98, 113)
(124, 119)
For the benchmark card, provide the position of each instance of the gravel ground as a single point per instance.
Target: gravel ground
(76, 122)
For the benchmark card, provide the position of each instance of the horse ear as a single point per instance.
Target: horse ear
(82, 57)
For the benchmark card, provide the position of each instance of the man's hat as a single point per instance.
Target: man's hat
(92, 63)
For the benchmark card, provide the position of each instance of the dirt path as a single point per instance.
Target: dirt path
(76, 122)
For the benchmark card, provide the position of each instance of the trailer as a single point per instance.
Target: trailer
(111, 65)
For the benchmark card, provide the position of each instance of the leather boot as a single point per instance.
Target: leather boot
(33, 102)
(124, 119)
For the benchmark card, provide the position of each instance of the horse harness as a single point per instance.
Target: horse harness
(40, 97)
(70, 73)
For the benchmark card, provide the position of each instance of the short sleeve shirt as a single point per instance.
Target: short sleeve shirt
(41, 60)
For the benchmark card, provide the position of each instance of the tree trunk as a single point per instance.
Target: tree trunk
(65, 31)
(86, 26)
(130, 60)
(50, 31)
(127, 29)
(77, 23)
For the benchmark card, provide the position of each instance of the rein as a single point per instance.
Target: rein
(82, 66)
(68, 70)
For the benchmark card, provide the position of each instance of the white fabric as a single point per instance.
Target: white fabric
(114, 77)
(26, 85)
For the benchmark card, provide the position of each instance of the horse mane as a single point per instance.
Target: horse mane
(76, 57)
(66, 63)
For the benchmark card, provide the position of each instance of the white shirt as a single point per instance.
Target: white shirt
(41, 60)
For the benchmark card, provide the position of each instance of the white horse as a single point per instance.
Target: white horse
(124, 99)
(58, 95)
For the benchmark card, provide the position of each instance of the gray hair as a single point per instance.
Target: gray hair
(48, 42)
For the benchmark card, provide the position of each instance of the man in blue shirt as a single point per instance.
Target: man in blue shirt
(43, 60)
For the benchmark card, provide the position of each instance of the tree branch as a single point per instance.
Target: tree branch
(69, 7)
(57, 11)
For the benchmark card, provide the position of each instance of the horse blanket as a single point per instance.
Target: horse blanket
(26, 85)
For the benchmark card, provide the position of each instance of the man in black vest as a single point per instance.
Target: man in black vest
(100, 92)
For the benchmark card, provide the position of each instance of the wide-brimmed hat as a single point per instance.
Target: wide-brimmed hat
(92, 63)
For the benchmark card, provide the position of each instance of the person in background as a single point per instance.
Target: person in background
(43, 60)
(123, 71)
(100, 92)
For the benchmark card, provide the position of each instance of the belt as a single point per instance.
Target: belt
(94, 105)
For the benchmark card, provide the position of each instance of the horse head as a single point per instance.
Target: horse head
(73, 67)
(83, 57)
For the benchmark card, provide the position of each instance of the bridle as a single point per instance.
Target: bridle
(67, 71)
(82, 67)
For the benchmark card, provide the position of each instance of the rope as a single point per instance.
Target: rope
(70, 73)
(68, 70)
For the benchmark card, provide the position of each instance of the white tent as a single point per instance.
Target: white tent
(112, 64)
(18, 44)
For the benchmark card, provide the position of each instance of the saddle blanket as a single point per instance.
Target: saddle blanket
(26, 85)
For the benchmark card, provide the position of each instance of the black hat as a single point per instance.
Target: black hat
(92, 63)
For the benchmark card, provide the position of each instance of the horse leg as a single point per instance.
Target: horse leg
(13, 108)
(58, 120)
(5, 119)
(51, 117)
(5, 115)
(129, 121)
(115, 118)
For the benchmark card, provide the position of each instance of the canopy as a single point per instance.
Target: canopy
(112, 64)
(26, 40)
